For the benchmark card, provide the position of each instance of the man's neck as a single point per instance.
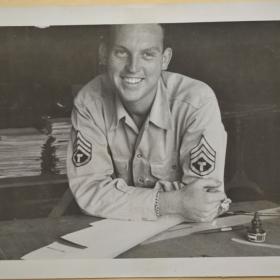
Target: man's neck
(140, 110)
(139, 120)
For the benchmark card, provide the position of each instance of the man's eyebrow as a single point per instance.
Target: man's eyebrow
(158, 49)
(119, 46)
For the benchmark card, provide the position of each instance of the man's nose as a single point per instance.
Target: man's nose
(133, 64)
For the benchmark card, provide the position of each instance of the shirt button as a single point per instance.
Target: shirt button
(149, 183)
(174, 166)
(139, 155)
(141, 180)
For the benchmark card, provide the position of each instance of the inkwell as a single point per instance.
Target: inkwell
(256, 233)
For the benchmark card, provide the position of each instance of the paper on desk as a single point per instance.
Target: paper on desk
(56, 250)
(105, 239)
(190, 228)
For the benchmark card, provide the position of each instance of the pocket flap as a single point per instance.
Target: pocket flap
(157, 169)
(166, 170)
(160, 170)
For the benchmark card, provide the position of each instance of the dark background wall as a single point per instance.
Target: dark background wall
(240, 61)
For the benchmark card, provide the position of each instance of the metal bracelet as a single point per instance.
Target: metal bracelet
(157, 205)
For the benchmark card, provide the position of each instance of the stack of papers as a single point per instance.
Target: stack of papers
(20, 152)
(55, 150)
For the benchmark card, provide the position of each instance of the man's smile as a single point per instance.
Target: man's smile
(132, 80)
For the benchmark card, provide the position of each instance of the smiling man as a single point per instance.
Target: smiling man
(146, 142)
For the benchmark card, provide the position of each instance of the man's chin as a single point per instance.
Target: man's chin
(130, 97)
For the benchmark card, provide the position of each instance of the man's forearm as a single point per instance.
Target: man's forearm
(113, 199)
(170, 203)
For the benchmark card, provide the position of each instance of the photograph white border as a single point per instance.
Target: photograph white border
(210, 11)
(195, 11)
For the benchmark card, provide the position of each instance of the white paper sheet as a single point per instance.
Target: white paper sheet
(105, 239)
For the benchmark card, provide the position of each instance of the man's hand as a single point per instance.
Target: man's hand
(200, 200)
(197, 202)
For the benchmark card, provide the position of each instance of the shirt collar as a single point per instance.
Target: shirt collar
(119, 112)
(160, 114)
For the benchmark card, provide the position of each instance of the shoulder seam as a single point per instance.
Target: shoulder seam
(190, 103)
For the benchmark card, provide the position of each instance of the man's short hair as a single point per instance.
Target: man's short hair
(108, 34)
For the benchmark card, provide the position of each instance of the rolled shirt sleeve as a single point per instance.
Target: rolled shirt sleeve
(91, 173)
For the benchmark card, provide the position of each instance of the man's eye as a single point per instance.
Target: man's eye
(121, 53)
(149, 55)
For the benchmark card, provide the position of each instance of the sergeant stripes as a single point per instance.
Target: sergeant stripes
(82, 150)
(202, 158)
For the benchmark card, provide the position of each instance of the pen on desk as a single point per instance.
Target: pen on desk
(223, 229)
(241, 212)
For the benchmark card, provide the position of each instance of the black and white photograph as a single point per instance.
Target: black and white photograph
(154, 141)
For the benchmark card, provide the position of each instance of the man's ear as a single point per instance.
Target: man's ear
(166, 58)
(102, 52)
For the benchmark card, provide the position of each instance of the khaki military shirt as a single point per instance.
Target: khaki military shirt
(115, 170)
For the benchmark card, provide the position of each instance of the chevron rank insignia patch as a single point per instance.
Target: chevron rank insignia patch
(82, 150)
(202, 158)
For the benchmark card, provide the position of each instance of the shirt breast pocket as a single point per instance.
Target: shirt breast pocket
(122, 169)
(168, 170)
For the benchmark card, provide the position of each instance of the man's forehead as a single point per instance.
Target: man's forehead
(121, 32)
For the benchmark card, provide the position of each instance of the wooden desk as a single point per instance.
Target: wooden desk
(19, 237)
(31, 196)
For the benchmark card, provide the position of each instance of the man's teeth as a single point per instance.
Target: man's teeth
(132, 80)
